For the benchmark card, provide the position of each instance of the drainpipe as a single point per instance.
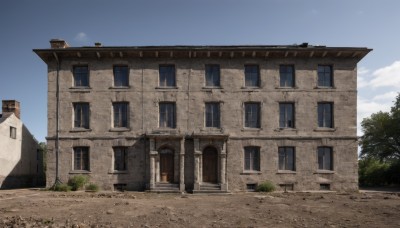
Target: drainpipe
(57, 180)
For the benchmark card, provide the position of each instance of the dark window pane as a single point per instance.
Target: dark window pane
(325, 158)
(325, 115)
(121, 76)
(286, 115)
(252, 158)
(286, 73)
(212, 75)
(212, 115)
(252, 115)
(81, 158)
(81, 115)
(286, 158)
(81, 76)
(120, 158)
(325, 76)
(120, 114)
(167, 76)
(167, 115)
(252, 76)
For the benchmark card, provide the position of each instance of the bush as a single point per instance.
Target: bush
(61, 188)
(77, 182)
(266, 186)
(92, 187)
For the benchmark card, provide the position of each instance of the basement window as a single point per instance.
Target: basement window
(325, 187)
(287, 187)
(251, 187)
(119, 187)
(13, 132)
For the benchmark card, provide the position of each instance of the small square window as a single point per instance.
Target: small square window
(81, 76)
(167, 76)
(251, 187)
(81, 158)
(287, 77)
(212, 75)
(252, 76)
(326, 187)
(13, 132)
(121, 76)
(287, 187)
(325, 76)
(120, 187)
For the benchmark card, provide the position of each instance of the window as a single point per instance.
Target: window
(325, 78)
(120, 158)
(325, 187)
(81, 111)
(212, 75)
(81, 158)
(251, 187)
(252, 76)
(120, 114)
(212, 115)
(121, 76)
(286, 73)
(119, 187)
(287, 187)
(252, 115)
(286, 158)
(167, 76)
(325, 112)
(167, 115)
(325, 158)
(13, 132)
(81, 76)
(251, 158)
(286, 115)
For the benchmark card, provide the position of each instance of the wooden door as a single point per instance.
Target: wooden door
(210, 165)
(167, 166)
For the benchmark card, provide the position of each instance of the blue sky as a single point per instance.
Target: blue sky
(27, 24)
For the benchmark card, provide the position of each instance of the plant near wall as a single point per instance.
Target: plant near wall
(266, 186)
(61, 188)
(78, 182)
(92, 187)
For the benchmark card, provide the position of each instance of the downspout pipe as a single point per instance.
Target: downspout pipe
(57, 180)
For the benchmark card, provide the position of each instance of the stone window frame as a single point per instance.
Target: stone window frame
(125, 150)
(207, 86)
(286, 125)
(118, 127)
(285, 168)
(127, 85)
(219, 114)
(174, 118)
(13, 132)
(174, 84)
(258, 84)
(74, 66)
(260, 105)
(79, 127)
(322, 118)
(254, 162)
(293, 75)
(332, 160)
(332, 81)
(82, 150)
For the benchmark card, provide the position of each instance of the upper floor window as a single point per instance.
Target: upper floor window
(212, 115)
(13, 132)
(325, 76)
(167, 115)
(325, 158)
(81, 76)
(286, 115)
(120, 114)
(121, 76)
(81, 158)
(81, 115)
(252, 76)
(252, 115)
(252, 158)
(120, 158)
(212, 75)
(167, 76)
(286, 73)
(287, 158)
(325, 114)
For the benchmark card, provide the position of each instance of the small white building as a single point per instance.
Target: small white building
(21, 163)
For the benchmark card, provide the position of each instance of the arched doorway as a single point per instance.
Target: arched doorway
(210, 165)
(166, 165)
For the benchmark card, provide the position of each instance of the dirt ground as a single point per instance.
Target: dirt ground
(33, 208)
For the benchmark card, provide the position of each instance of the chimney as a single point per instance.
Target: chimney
(58, 43)
(97, 44)
(11, 106)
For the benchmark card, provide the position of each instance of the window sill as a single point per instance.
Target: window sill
(80, 172)
(286, 88)
(251, 173)
(251, 129)
(80, 130)
(211, 87)
(211, 129)
(286, 172)
(286, 129)
(80, 89)
(250, 89)
(119, 87)
(121, 129)
(325, 87)
(118, 172)
(322, 129)
(167, 88)
(324, 172)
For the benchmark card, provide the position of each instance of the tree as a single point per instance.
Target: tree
(381, 139)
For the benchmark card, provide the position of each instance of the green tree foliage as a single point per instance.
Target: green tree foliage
(373, 172)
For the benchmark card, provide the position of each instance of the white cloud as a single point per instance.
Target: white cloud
(81, 37)
(388, 97)
(362, 77)
(387, 76)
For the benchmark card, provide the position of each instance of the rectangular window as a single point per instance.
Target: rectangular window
(212, 75)
(13, 132)
(252, 76)
(325, 114)
(252, 158)
(212, 115)
(286, 73)
(81, 158)
(167, 76)
(287, 187)
(326, 187)
(121, 114)
(252, 115)
(81, 115)
(325, 76)
(286, 158)
(286, 115)
(120, 158)
(81, 76)
(121, 76)
(325, 158)
(167, 115)
(251, 187)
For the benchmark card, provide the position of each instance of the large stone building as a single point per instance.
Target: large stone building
(203, 118)
(21, 163)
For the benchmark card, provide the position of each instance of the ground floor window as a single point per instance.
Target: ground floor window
(120, 158)
(252, 158)
(81, 158)
(286, 158)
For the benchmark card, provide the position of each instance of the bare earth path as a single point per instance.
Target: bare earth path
(29, 208)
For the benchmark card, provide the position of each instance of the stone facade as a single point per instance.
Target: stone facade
(146, 143)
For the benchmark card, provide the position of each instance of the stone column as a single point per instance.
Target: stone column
(197, 154)
(153, 154)
(224, 185)
(182, 166)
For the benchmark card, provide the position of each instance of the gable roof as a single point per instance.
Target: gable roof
(4, 116)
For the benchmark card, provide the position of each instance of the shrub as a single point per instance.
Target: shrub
(77, 182)
(92, 187)
(266, 186)
(61, 188)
